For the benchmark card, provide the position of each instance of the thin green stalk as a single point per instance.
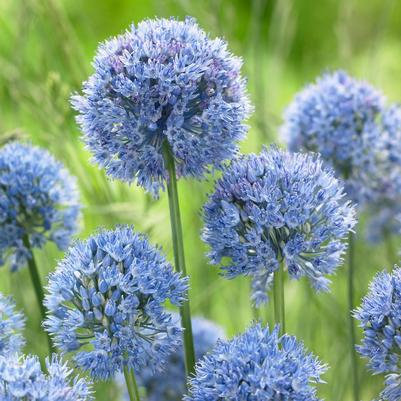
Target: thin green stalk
(37, 285)
(278, 297)
(132, 386)
(178, 245)
(255, 313)
(352, 336)
(390, 253)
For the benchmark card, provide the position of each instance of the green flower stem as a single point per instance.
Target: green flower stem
(390, 252)
(132, 387)
(178, 245)
(37, 285)
(352, 336)
(278, 297)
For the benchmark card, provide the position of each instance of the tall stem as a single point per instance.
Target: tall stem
(37, 285)
(390, 253)
(352, 336)
(278, 295)
(132, 386)
(178, 245)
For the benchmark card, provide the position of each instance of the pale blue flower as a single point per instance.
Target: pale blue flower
(384, 203)
(163, 82)
(21, 378)
(273, 207)
(337, 117)
(38, 201)
(257, 365)
(12, 323)
(380, 318)
(106, 303)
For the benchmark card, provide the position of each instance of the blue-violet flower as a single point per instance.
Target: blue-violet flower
(38, 202)
(12, 324)
(384, 204)
(106, 301)
(164, 84)
(380, 319)
(336, 116)
(21, 378)
(277, 207)
(257, 365)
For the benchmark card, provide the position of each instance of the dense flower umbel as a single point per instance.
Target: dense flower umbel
(380, 319)
(336, 116)
(21, 378)
(164, 81)
(11, 325)
(384, 204)
(106, 302)
(257, 366)
(277, 206)
(169, 385)
(38, 200)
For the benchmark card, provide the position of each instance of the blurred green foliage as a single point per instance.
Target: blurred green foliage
(46, 47)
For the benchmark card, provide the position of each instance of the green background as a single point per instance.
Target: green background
(46, 47)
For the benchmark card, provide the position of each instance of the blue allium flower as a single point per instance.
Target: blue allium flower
(11, 325)
(384, 203)
(38, 200)
(392, 390)
(169, 385)
(257, 365)
(382, 221)
(336, 116)
(21, 378)
(106, 301)
(380, 319)
(273, 207)
(163, 82)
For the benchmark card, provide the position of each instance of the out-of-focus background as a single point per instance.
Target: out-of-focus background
(46, 47)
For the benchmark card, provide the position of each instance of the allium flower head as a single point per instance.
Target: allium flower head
(277, 206)
(380, 318)
(336, 116)
(106, 301)
(21, 378)
(38, 200)
(169, 385)
(384, 203)
(162, 82)
(11, 325)
(257, 365)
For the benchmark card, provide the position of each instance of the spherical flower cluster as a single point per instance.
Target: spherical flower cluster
(336, 116)
(273, 207)
(380, 319)
(164, 84)
(38, 202)
(21, 378)
(106, 302)
(170, 385)
(11, 325)
(257, 365)
(384, 203)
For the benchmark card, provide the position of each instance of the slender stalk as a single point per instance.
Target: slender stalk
(255, 314)
(352, 336)
(132, 386)
(178, 245)
(278, 297)
(390, 253)
(37, 285)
